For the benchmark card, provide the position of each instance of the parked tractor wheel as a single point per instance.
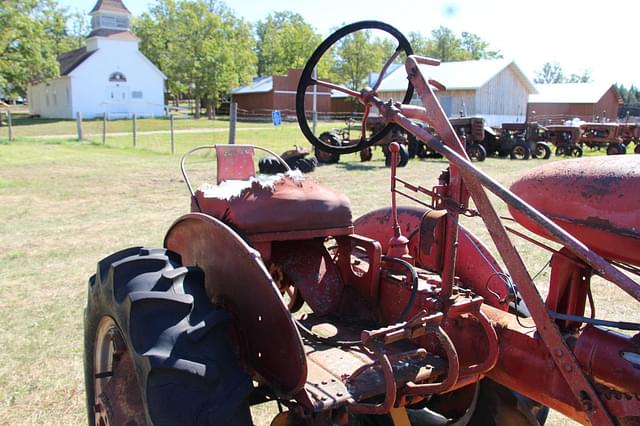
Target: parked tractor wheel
(403, 156)
(576, 151)
(304, 164)
(520, 152)
(499, 406)
(156, 350)
(636, 150)
(325, 157)
(616, 149)
(271, 166)
(366, 154)
(476, 152)
(542, 150)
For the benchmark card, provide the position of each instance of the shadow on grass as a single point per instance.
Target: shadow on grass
(358, 166)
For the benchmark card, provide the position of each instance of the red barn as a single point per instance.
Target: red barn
(555, 103)
(278, 92)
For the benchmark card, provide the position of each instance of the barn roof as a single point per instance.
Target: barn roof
(462, 75)
(70, 60)
(572, 93)
(259, 85)
(110, 6)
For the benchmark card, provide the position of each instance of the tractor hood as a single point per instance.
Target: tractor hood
(596, 199)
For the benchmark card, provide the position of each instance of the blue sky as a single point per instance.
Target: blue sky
(599, 36)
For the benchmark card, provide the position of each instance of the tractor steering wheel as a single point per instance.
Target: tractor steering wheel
(307, 80)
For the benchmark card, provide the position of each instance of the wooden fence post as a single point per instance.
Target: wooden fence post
(10, 124)
(173, 138)
(233, 117)
(104, 128)
(134, 130)
(79, 125)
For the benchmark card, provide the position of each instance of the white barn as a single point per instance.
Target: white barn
(495, 89)
(108, 75)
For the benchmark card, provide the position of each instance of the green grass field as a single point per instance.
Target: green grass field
(64, 205)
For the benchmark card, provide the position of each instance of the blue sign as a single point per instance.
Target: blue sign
(276, 118)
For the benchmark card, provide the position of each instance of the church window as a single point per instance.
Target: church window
(136, 94)
(117, 77)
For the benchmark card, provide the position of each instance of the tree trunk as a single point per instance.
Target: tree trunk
(213, 111)
(209, 109)
(198, 105)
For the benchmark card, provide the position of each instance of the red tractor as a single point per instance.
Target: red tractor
(408, 318)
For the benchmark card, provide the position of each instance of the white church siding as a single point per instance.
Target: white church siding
(51, 99)
(142, 93)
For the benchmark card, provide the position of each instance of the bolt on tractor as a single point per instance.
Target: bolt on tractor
(566, 139)
(407, 317)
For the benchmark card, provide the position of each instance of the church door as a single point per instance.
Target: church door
(118, 99)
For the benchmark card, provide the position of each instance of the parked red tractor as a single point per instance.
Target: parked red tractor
(409, 318)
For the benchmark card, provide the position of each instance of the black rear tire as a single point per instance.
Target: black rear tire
(636, 150)
(520, 152)
(476, 152)
(304, 164)
(271, 166)
(616, 149)
(178, 342)
(542, 150)
(403, 156)
(325, 157)
(576, 151)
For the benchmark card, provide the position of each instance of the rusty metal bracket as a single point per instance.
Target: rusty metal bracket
(474, 180)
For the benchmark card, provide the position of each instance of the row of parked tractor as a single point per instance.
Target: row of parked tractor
(518, 141)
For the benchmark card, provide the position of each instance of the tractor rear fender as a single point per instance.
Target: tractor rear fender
(476, 267)
(237, 280)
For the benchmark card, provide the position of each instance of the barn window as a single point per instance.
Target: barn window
(117, 77)
(55, 99)
(136, 94)
(47, 99)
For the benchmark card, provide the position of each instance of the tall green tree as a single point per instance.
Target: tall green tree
(200, 45)
(33, 33)
(356, 56)
(284, 40)
(477, 48)
(446, 46)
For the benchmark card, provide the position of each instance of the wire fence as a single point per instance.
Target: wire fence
(174, 134)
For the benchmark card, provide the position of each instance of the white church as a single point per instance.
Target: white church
(109, 75)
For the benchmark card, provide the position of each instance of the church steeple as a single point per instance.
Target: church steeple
(110, 15)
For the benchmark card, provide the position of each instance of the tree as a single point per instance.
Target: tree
(200, 45)
(419, 43)
(78, 25)
(552, 73)
(33, 34)
(585, 77)
(284, 40)
(356, 56)
(446, 46)
(478, 48)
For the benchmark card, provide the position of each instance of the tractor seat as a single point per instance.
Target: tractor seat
(279, 207)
